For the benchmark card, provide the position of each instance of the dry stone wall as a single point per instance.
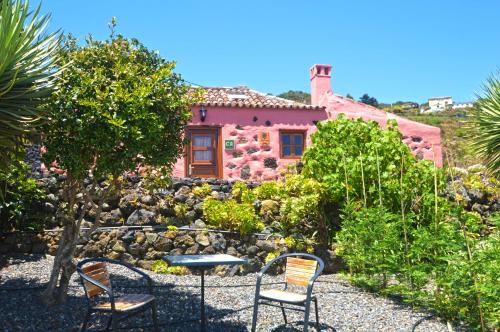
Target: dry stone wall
(136, 227)
(142, 247)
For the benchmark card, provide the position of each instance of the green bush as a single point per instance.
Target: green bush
(269, 190)
(231, 215)
(162, 267)
(202, 191)
(242, 194)
(181, 209)
(20, 196)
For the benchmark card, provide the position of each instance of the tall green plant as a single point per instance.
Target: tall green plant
(486, 122)
(28, 59)
(434, 253)
(349, 156)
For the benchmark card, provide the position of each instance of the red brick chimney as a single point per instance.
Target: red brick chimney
(321, 76)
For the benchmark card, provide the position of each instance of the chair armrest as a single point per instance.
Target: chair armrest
(144, 275)
(259, 280)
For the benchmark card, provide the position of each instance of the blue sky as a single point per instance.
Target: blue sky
(392, 50)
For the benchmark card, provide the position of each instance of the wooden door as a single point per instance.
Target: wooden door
(203, 153)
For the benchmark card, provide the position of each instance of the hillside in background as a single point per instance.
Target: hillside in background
(298, 96)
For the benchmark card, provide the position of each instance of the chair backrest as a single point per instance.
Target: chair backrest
(98, 272)
(299, 271)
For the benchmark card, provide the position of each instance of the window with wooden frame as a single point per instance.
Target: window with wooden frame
(292, 143)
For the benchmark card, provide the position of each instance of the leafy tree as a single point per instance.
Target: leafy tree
(298, 96)
(348, 96)
(486, 121)
(366, 99)
(116, 105)
(27, 70)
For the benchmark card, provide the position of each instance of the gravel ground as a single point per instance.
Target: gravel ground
(229, 303)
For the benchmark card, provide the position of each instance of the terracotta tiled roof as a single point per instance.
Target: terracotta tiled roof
(243, 97)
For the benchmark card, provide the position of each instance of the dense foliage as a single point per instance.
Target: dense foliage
(21, 193)
(486, 120)
(398, 234)
(289, 207)
(27, 62)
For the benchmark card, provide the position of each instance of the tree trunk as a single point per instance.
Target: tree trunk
(64, 265)
(64, 262)
(323, 231)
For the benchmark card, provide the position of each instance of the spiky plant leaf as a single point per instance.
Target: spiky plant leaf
(486, 122)
(28, 56)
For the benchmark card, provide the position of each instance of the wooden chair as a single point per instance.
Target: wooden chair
(95, 279)
(299, 272)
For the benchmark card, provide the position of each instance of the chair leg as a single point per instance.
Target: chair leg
(108, 323)
(114, 322)
(283, 312)
(85, 320)
(317, 313)
(254, 319)
(306, 316)
(155, 317)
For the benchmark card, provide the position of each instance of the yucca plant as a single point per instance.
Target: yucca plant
(486, 122)
(28, 57)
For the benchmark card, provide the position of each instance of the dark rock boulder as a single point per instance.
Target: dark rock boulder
(141, 217)
(333, 263)
(128, 204)
(217, 241)
(266, 245)
(253, 265)
(183, 241)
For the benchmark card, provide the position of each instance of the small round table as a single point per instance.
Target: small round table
(203, 262)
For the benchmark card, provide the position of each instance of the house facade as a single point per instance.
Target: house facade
(240, 133)
(439, 103)
(463, 105)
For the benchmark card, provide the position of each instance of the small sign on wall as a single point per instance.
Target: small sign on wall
(229, 144)
(264, 139)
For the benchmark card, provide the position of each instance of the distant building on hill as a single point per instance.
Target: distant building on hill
(439, 103)
(463, 105)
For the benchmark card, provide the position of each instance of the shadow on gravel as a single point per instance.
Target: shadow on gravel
(8, 260)
(298, 326)
(178, 308)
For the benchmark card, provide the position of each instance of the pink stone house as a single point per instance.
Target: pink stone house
(239, 133)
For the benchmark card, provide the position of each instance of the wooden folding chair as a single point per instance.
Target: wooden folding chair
(299, 272)
(95, 279)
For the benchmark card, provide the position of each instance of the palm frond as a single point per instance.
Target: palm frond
(486, 121)
(28, 57)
